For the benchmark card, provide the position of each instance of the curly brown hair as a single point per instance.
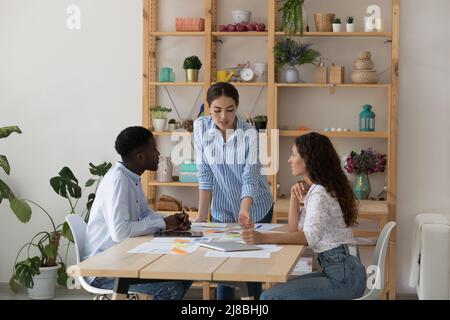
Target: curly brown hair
(324, 168)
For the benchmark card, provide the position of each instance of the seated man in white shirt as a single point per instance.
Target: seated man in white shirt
(120, 210)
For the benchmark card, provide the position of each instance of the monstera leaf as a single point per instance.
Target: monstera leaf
(6, 131)
(66, 184)
(99, 170)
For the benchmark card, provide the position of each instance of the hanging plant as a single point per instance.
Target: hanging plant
(292, 16)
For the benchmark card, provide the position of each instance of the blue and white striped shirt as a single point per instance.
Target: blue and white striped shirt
(231, 169)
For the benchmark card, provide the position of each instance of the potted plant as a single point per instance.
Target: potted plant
(350, 27)
(172, 125)
(260, 122)
(294, 17)
(43, 265)
(363, 164)
(337, 25)
(191, 65)
(159, 118)
(291, 53)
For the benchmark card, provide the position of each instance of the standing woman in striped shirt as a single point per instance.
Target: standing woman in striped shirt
(228, 168)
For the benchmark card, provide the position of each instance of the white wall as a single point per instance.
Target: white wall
(72, 91)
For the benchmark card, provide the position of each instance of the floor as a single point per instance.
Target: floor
(78, 294)
(65, 294)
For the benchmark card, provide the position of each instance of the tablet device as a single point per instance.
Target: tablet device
(178, 233)
(229, 246)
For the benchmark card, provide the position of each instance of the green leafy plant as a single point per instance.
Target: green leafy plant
(291, 52)
(192, 62)
(349, 20)
(260, 118)
(43, 248)
(292, 16)
(20, 208)
(159, 112)
(337, 21)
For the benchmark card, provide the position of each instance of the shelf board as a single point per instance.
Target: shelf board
(173, 184)
(178, 84)
(248, 84)
(177, 33)
(344, 85)
(169, 133)
(342, 134)
(339, 34)
(240, 34)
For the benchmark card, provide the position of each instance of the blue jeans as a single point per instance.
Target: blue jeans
(226, 292)
(343, 276)
(160, 290)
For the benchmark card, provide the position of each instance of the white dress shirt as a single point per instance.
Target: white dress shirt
(119, 211)
(322, 221)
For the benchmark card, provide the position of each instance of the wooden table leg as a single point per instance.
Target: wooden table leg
(121, 286)
(246, 291)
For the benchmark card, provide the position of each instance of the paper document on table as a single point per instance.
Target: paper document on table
(165, 247)
(179, 240)
(238, 254)
(209, 225)
(270, 247)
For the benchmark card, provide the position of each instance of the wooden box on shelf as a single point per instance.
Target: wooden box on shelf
(321, 75)
(337, 74)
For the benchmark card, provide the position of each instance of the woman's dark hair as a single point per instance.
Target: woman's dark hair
(220, 89)
(324, 168)
(130, 139)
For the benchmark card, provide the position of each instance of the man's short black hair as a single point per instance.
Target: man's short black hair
(130, 139)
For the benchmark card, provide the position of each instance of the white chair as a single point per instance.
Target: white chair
(78, 228)
(379, 265)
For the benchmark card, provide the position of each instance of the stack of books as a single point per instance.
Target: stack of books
(188, 172)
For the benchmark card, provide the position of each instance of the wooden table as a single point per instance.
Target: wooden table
(128, 268)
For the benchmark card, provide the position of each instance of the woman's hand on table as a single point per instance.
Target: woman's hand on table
(251, 236)
(245, 219)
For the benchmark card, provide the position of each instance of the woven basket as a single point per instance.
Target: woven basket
(365, 77)
(364, 55)
(190, 24)
(365, 64)
(324, 21)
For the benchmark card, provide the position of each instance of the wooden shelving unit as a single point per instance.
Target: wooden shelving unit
(337, 134)
(211, 36)
(340, 34)
(173, 184)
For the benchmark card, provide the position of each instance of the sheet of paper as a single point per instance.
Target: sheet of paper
(165, 247)
(209, 225)
(238, 254)
(270, 247)
(179, 239)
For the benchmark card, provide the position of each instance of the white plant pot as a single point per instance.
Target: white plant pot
(171, 126)
(350, 27)
(291, 75)
(337, 27)
(159, 125)
(44, 284)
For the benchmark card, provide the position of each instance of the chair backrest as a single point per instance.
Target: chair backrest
(78, 228)
(376, 270)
